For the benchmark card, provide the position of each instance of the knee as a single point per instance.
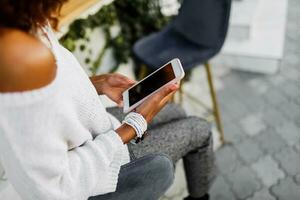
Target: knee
(165, 168)
(162, 171)
(201, 130)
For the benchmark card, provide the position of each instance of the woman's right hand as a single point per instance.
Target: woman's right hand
(148, 109)
(156, 102)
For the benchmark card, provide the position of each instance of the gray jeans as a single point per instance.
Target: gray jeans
(172, 136)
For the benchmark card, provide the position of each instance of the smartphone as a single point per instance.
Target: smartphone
(172, 72)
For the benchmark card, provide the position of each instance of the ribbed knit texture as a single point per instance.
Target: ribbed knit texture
(58, 142)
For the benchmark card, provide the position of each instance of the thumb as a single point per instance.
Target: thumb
(120, 103)
(168, 89)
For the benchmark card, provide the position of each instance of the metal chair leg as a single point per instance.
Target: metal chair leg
(180, 91)
(142, 72)
(216, 110)
(172, 100)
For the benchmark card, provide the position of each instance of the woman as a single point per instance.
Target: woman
(56, 139)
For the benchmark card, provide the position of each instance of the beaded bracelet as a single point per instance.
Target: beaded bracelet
(138, 123)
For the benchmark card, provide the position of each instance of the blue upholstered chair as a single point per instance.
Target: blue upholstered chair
(194, 36)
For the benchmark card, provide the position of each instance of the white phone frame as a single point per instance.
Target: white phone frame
(179, 74)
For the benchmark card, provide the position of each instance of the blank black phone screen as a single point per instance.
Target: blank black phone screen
(151, 84)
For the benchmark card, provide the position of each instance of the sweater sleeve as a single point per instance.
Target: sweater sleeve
(38, 163)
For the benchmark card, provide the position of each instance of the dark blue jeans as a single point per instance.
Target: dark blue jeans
(146, 178)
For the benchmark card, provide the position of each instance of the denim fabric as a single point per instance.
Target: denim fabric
(145, 178)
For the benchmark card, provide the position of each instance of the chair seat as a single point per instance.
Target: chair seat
(159, 48)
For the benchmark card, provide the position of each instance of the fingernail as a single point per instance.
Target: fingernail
(174, 87)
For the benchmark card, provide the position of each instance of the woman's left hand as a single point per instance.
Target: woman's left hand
(112, 85)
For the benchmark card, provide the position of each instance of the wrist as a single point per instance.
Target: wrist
(126, 133)
(138, 123)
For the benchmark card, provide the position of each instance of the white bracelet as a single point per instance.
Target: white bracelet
(137, 122)
(139, 119)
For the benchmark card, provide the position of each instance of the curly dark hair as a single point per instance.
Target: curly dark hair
(27, 15)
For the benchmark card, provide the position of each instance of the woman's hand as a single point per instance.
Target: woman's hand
(156, 102)
(148, 109)
(112, 85)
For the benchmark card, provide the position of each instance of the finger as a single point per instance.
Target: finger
(120, 104)
(123, 88)
(131, 81)
(165, 100)
(127, 85)
(118, 80)
(161, 94)
(169, 96)
(125, 79)
(119, 101)
(122, 83)
(166, 91)
(157, 99)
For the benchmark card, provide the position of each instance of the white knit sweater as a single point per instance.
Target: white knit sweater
(58, 142)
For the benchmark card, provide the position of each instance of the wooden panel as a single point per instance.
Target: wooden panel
(73, 9)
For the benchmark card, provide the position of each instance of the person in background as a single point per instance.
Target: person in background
(57, 141)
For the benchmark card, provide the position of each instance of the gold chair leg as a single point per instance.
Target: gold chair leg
(180, 91)
(216, 110)
(143, 72)
(172, 100)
